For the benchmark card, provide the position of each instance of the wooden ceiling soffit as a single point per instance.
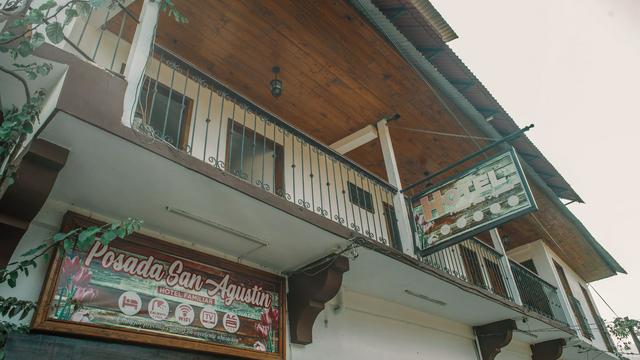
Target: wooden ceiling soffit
(493, 337)
(309, 290)
(548, 350)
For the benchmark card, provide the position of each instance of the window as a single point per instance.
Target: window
(360, 197)
(530, 266)
(495, 278)
(599, 323)
(430, 197)
(254, 158)
(576, 307)
(393, 232)
(167, 111)
(434, 213)
(472, 266)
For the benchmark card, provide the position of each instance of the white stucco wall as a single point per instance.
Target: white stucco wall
(370, 328)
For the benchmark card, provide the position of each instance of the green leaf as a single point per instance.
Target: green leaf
(49, 4)
(87, 233)
(107, 237)
(96, 3)
(24, 48)
(70, 14)
(67, 245)
(37, 39)
(84, 9)
(59, 236)
(34, 250)
(12, 283)
(6, 36)
(55, 32)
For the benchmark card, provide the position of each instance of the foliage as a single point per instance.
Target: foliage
(79, 239)
(19, 39)
(621, 329)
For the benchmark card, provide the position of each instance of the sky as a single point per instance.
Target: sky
(571, 67)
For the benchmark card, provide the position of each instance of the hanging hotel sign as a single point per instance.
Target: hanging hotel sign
(483, 197)
(149, 291)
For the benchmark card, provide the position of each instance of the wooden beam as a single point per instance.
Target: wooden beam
(493, 337)
(548, 350)
(309, 290)
(355, 140)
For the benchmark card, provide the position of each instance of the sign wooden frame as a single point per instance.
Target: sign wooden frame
(42, 322)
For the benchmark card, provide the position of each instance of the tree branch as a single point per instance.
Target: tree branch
(19, 78)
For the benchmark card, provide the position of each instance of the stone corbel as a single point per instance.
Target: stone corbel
(493, 337)
(309, 291)
(548, 350)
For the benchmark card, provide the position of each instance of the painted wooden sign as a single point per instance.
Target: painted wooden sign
(149, 291)
(480, 198)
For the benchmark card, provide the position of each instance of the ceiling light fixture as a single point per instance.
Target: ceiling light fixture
(276, 84)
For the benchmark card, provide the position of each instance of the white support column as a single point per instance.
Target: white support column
(504, 260)
(138, 56)
(399, 203)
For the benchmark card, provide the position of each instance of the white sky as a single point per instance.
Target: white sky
(571, 67)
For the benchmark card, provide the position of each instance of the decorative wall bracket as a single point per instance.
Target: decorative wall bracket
(548, 350)
(493, 337)
(309, 291)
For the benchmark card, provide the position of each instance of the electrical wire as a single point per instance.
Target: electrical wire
(440, 133)
(605, 301)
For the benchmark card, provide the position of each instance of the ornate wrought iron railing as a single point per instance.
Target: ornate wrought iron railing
(537, 294)
(474, 262)
(102, 36)
(190, 111)
(583, 322)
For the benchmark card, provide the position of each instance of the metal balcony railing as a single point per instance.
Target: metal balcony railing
(583, 322)
(537, 294)
(102, 36)
(190, 111)
(474, 262)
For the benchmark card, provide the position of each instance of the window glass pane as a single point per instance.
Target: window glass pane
(164, 113)
(360, 197)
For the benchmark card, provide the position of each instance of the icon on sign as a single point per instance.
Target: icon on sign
(158, 309)
(259, 346)
(184, 314)
(208, 317)
(129, 303)
(231, 322)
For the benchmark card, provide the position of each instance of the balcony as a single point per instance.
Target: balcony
(183, 108)
(537, 294)
(479, 264)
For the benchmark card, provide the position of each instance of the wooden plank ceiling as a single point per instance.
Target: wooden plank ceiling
(339, 75)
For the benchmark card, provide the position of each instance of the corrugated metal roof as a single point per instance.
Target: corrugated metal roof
(422, 32)
(422, 49)
(435, 20)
